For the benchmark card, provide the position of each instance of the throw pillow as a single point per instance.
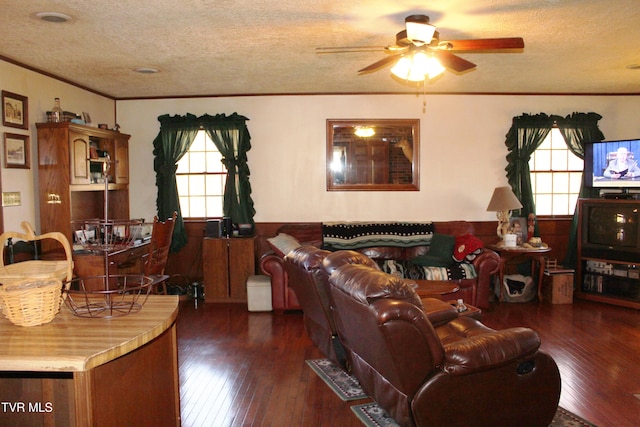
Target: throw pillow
(440, 251)
(442, 245)
(432, 261)
(467, 247)
(283, 243)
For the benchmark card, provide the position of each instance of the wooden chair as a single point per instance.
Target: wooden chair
(156, 259)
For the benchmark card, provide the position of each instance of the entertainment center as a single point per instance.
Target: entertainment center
(608, 267)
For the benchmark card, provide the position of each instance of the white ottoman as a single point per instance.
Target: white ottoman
(259, 293)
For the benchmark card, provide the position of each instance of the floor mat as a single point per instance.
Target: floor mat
(343, 384)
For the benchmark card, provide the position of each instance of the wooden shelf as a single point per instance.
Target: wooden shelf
(97, 187)
(607, 273)
(65, 175)
(622, 302)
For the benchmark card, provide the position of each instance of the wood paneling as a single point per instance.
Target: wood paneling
(188, 262)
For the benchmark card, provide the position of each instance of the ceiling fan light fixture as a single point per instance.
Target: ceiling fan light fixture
(435, 67)
(402, 68)
(419, 31)
(417, 67)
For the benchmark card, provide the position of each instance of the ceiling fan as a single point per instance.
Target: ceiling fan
(419, 53)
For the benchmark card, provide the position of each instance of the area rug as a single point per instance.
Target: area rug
(342, 384)
(373, 415)
(347, 388)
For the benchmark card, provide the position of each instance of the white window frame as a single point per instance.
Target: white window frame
(556, 176)
(201, 178)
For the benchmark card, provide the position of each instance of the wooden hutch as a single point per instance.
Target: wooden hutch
(72, 188)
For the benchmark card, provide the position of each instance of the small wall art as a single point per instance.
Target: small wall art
(15, 110)
(16, 151)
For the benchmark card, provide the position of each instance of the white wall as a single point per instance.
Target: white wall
(462, 146)
(40, 91)
(462, 151)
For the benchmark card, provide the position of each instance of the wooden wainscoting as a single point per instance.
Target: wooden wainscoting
(188, 262)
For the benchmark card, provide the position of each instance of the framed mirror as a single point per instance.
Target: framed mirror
(373, 155)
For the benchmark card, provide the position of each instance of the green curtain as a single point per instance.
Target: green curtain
(578, 129)
(526, 134)
(176, 136)
(231, 136)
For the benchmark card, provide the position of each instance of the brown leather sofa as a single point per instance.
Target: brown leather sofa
(474, 291)
(454, 374)
(308, 269)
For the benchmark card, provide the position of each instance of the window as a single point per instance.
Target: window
(556, 175)
(200, 178)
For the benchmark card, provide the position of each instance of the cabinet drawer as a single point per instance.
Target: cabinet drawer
(128, 261)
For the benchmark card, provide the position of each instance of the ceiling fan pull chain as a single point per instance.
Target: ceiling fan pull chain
(424, 99)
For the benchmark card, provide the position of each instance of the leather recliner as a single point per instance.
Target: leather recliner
(457, 373)
(308, 269)
(309, 282)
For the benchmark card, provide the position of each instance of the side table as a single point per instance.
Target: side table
(519, 253)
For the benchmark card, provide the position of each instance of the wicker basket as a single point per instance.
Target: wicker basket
(31, 302)
(36, 269)
(107, 296)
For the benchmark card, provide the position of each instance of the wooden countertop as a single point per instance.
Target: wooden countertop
(70, 343)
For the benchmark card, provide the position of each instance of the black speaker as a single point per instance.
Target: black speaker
(213, 228)
(227, 227)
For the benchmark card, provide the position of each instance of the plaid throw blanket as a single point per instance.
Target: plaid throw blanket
(356, 235)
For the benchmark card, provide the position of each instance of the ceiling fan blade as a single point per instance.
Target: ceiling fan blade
(483, 44)
(380, 64)
(452, 61)
(348, 49)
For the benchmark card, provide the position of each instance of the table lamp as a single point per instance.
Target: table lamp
(502, 202)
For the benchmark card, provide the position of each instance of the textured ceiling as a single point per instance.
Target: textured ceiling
(231, 47)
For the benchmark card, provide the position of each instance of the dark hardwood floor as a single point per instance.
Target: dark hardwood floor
(248, 369)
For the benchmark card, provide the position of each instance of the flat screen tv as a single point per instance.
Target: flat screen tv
(612, 164)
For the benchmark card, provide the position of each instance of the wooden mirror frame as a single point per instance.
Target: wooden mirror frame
(390, 134)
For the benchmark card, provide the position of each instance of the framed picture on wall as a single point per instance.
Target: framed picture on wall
(15, 110)
(16, 151)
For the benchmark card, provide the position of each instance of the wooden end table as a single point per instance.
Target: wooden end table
(519, 253)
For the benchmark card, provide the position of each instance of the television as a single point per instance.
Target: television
(610, 227)
(612, 164)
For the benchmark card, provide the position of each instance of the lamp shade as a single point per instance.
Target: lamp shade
(503, 199)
